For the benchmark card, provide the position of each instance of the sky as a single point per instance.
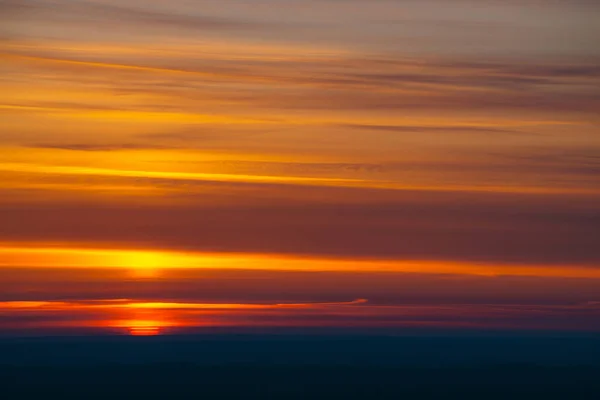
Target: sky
(304, 164)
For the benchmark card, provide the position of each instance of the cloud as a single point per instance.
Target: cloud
(429, 129)
(470, 227)
(291, 168)
(545, 72)
(99, 147)
(210, 285)
(97, 12)
(345, 70)
(161, 18)
(121, 314)
(129, 304)
(577, 162)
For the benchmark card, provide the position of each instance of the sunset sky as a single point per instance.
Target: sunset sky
(181, 165)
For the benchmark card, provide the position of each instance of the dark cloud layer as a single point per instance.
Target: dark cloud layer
(252, 286)
(478, 227)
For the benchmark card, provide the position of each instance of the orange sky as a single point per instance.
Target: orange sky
(440, 153)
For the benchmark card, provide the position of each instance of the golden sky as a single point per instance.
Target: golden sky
(437, 158)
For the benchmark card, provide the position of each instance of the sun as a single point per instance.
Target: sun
(143, 328)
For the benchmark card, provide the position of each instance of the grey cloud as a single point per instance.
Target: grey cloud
(464, 80)
(372, 83)
(7, 6)
(533, 71)
(102, 12)
(169, 19)
(370, 101)
(378, 72)
(584, 162)
(428, 129)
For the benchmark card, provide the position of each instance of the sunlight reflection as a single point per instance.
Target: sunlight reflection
(148, 263)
